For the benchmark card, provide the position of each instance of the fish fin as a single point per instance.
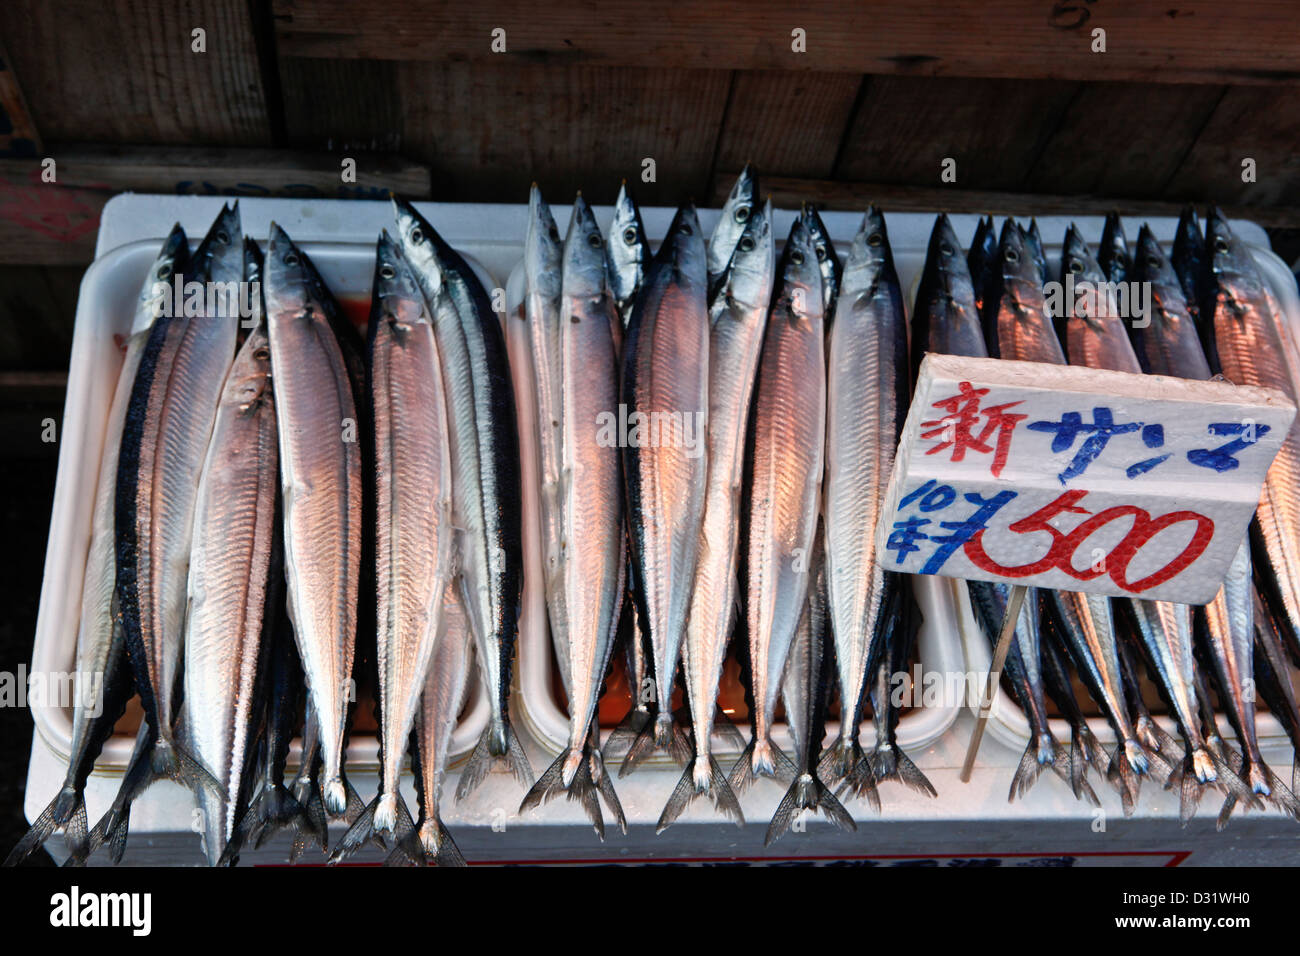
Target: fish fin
(113, 826)
(838, 760)
(642, 745)
(723, 797)
(1026, 774)
(360, 833)
(448, 853)
(786, 769)
(583, 791)
(718, 789)
(1279, 794)
(548, 785)
(622, 737)
(905, 772)
(517, 759)
(1189, 794)
(806, 792)
(834, 810)
(725, 727)
(481, 761)
(77, 836)
(1124, 775)
(605, 787)
(54, 816)
(742, 772)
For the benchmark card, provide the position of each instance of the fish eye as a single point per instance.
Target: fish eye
(1076, 266)
(1220, 244)
(746, 244)
(1011, 255)
(291, 258)
(417, 234)
(875, 239)
(164, 271)
(1153, 262)
(742, 214)
(223, 237)
(386, 271)
(594, 240)
(821, 253)
(262, 354)
(629, 236)
(685, 229)
(945, 248)
(796, 258)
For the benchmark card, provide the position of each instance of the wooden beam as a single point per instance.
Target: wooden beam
(1204, 41)
(56, 223)
(788, 193)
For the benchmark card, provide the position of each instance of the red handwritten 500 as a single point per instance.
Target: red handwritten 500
(1061, 554)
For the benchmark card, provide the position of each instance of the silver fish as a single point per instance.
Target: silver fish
(666, 384)
(1021, 327)
(233, 590)
(788, 446)
(627, 254)
(102, 682)
(736, 321)
(1096, 336)
(169, 420)
(1113, 255)
(945, 317)
(1169, 344)
(868, 344)
(321, 487)
(591, 547)
(486, 491)
(413, 554)
(828, 260)
(741, 203)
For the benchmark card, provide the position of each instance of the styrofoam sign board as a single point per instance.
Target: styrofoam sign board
(1077, 479)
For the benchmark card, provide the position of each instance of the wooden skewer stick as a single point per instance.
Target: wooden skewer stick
(1016, 601)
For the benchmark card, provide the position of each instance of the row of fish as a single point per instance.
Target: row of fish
(762, 531)
(283, 512)
(1211, 312)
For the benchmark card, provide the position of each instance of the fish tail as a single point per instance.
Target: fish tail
(764, 764)
(839, 759)
(386, 812)
(688, 788)
(806, 793)
(113, 826)
(549, 784)
(1190, 792)
(481, 760)
(1202, 765)
(906, 773)
(1032, 765)
(364, 828)
(1147, 733)
(271, 810)
(605, 787)
(439, 845)
(742, 771)
(54, 816)
(583, 791)
(627, 732)
(1136, 757)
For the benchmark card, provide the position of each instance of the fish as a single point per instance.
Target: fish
(742, 202)
(1025, 672)
(1191, 261)
(236, 582)
(805, 689)
(738, 315)
(445, 690)
(1273, 678)
(1228, 647)
(1159, 745)
(627, 254)
(591, 548)
(945, 315)
(1085, 750)
(666, 373)
(868, 344)
(982, 262)
(1034, 243)
(1252, 350)
(787, 450)
(306, 786)
(486, 490)
(1018, 325)
(317, 411)
(169, 421)
(1096, 336)
(102, 683)
(1169, 343)
(1112, 253)
(414, 556)
(888, 762)
(828, 260)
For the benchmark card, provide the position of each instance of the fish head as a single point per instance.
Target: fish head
(800, 277)
(172, 261)
(396, 297)
(249, 383)
(542, 246)
(1034, 242)
(220, 256)
(747, 282)
(1113, 254)
(1229, 262)
(627, 252)
(946, 279)
(869, 267)
(828, 260)
(419, 243)
(741, 203)
(1189, 241)
(584, 254)
(291, 284)
(683, 248)
(1077, 259)
(1153, 266)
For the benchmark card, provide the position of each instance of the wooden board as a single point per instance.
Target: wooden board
(38, 305)
(125, 72)
(1193, 41)
(788, 193)
(18, 136)
(1123, 139)
(1248, 122)
(787, 123)
(488, 131)
(994, 129)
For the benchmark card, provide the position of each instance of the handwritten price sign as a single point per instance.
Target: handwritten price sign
(1077, 479)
